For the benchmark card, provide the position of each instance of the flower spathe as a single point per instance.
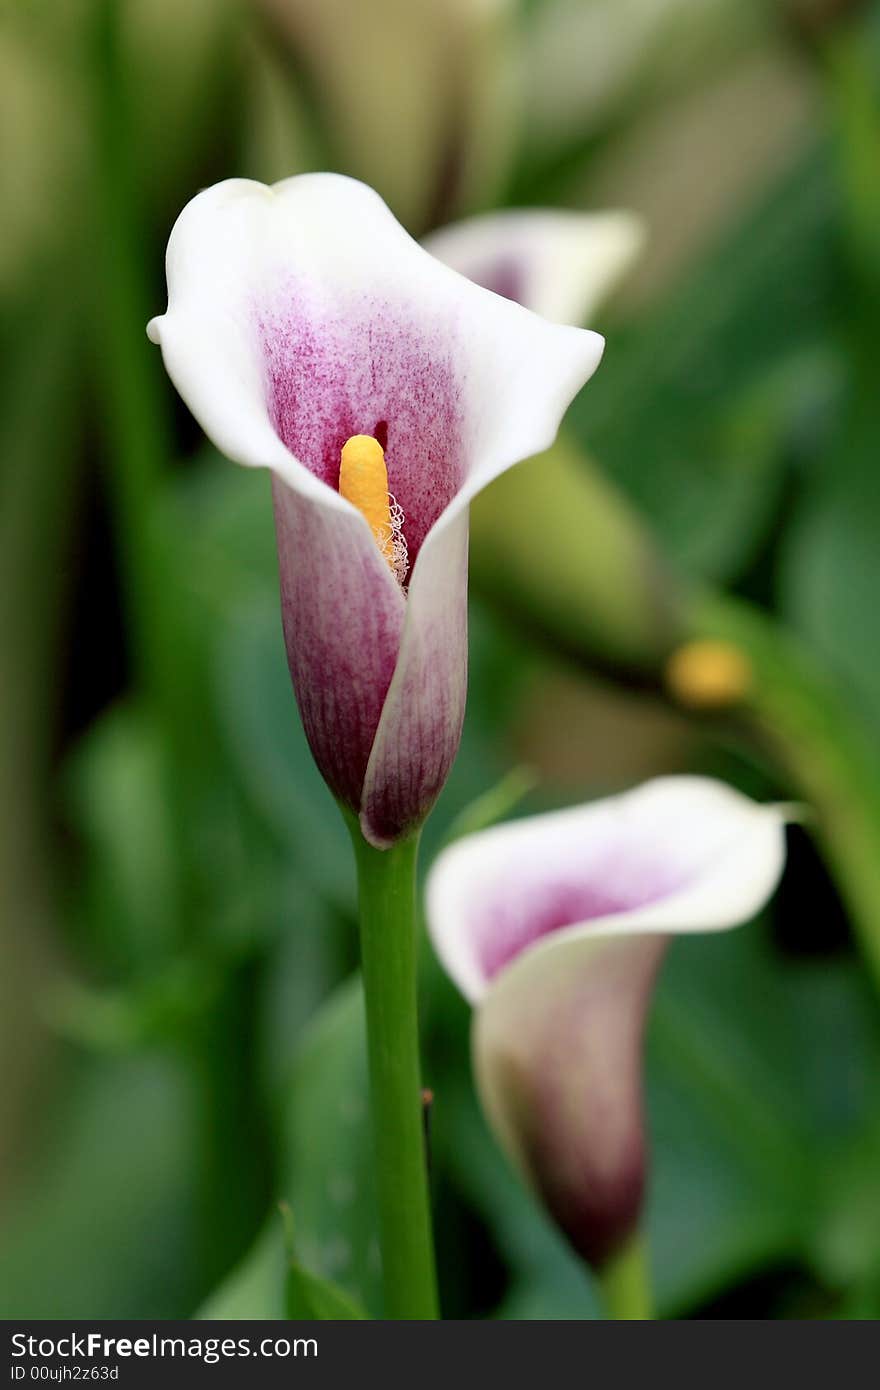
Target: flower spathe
(554, 927)
(300, 317)
(560, 263)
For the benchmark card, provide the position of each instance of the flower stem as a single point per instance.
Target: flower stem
(624, 1283)
(387, 898)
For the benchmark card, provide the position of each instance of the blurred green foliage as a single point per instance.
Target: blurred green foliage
(181, 1037)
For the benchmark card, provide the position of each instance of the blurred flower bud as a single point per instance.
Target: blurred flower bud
(417, 98)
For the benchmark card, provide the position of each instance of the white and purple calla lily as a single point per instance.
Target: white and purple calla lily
(554, 927)
(303, 321)
(557, 262)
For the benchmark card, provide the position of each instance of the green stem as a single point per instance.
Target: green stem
(137, 434)
(624, 1283)
(852, 94)
(133, 402)
(387, 898)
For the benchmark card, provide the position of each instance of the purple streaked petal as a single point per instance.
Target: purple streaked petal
(420, 728)
(343, 613)
(557, 1053)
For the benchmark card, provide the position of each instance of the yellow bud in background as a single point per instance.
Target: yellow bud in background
(708, 674)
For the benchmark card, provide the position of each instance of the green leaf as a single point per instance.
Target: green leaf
(693, 410)
(255, 1289)
(830, 573)
(326, 1178)
(271, 1283)
(115, 795)
(748, 1109)
(223, 514)
(265, 738)
(328, 1152)
(311, 1297)
(494, 805)
(308, 1296)
(115, 1175)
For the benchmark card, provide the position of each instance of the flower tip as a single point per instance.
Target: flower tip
(154, 330)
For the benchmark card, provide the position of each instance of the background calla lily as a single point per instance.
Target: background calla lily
(554, 927)
(419, 99)
(559, 263)
(301, 316)
(563, 265)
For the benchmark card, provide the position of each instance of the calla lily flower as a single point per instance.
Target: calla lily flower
(559, 263)
(554, 927)
(310, 335)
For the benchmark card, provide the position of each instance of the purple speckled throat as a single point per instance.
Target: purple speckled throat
(333, 370)
(368, 369)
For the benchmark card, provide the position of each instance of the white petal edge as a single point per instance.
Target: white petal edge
(732, 886)
(565, 262)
